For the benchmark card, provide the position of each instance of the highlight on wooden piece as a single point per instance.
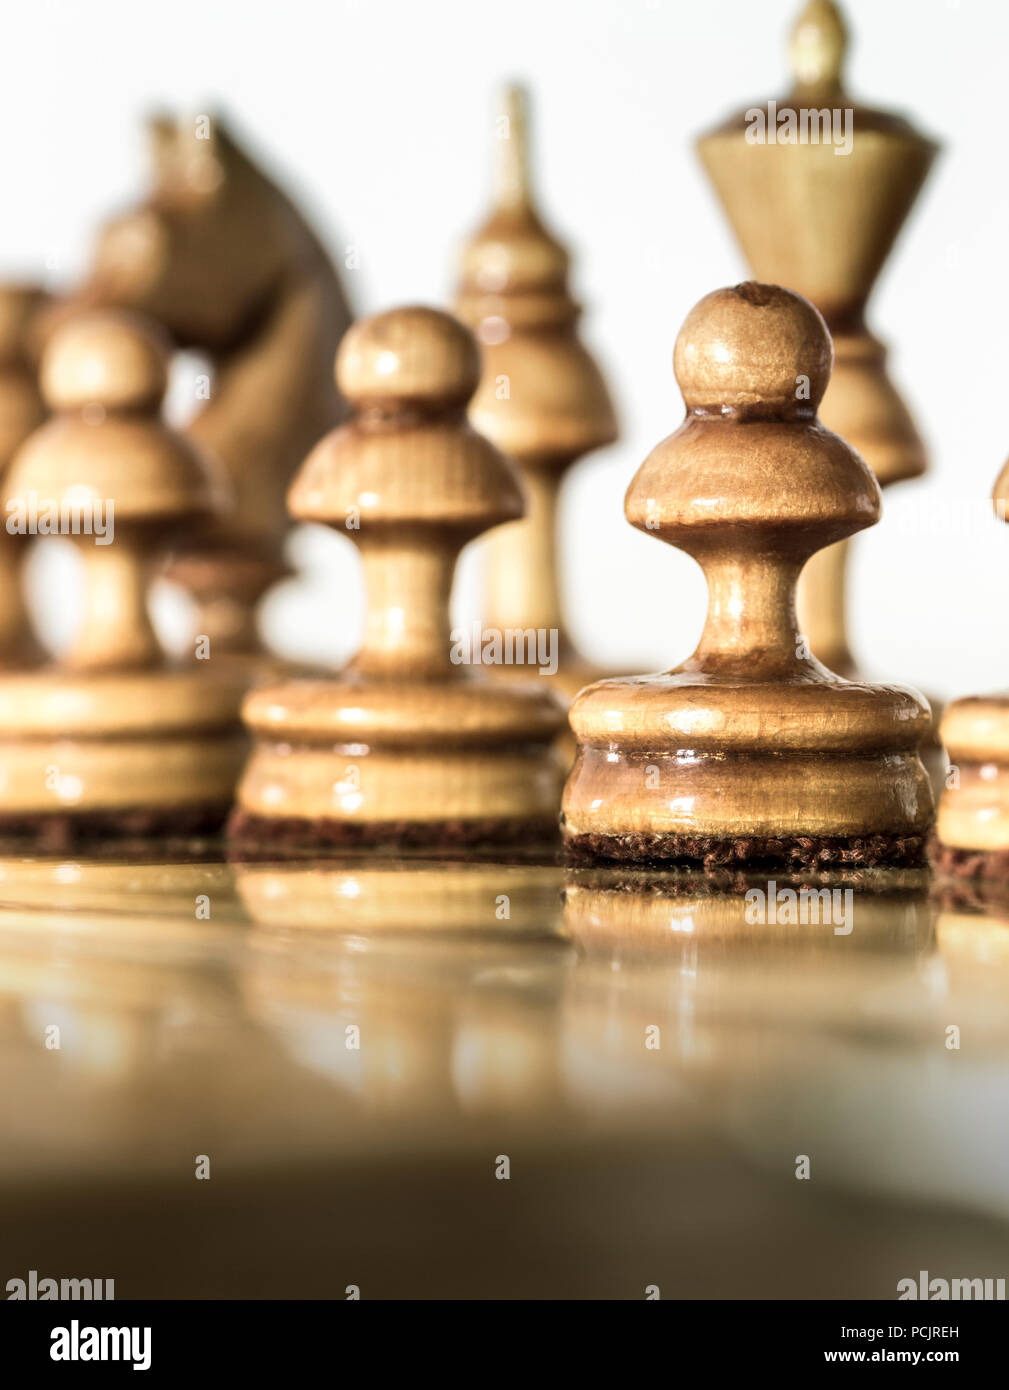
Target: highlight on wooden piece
(230, 268)
(817, 187)
(972, 828)
(541, 397)
(111, 740)
(408, 745)
(21, 412)
(751, 750)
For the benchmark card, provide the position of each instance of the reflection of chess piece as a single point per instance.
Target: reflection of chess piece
(709, 976)
(972, 934)
(541, 397)
(154, 901)
(730, 919)
(821, 221)
(404, 897)
(751, 750)
(230, 268)
(437, 973)
(407, 745)
(21, 411)
(112, 740)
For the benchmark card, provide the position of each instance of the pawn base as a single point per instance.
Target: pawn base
(59, 832)
(351, 762)
(972, 829)
(125, 754)
(807, 852)
(249, 833)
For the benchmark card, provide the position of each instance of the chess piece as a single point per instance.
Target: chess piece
(541, 397)
(972, 827)
(821, 216)
(751, 750)
(405, 745)
(112, 740)
(230, 268)
(21, 411)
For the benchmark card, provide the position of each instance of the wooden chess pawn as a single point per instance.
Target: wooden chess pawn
(112, 740)
(405, 746)
(541, 398)
(751, 750)
(21, 412)
(821, 216)
(972, 827)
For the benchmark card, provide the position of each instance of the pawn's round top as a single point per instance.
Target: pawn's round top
(406, 358)
(109, 359)
(104, 375)
(753, 349)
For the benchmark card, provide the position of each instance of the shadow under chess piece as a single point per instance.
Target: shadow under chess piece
(21, 412)
(972, 828)
(818, 209)
(541, 398)
(111, 740)
(751, 750)
(407, 745)
(230, 268)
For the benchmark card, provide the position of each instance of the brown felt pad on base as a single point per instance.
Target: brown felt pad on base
(251, 834)
(64, 831)
(803, 853)
(982, 864)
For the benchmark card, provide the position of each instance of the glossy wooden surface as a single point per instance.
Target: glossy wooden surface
(652, 1065)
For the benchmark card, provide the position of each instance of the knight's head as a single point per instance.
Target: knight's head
(203, 251)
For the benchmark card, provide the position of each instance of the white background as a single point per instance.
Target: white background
(376, 114)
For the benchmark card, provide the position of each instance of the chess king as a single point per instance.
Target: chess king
(751, 750)
(112, 739)
(817, 188)
(229, 267)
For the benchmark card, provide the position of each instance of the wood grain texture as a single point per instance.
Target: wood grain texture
(752, 737)
(111, 728)
(406, 736)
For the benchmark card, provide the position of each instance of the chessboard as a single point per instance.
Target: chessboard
(427, 1078)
